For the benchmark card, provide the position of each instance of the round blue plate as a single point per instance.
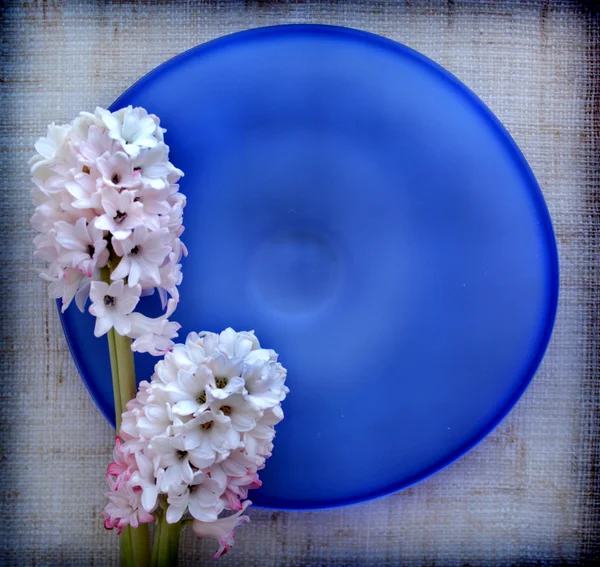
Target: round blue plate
(372, 220)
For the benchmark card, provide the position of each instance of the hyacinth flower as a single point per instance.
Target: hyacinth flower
(191, 441)
(189, 449)
(109, 216)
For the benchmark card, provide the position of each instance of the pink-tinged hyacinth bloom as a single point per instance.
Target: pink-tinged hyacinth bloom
(124, 506)
(237, 489)
(190, 449)
(144, 478)
(235, 475)
(123, 465)
(223, 529)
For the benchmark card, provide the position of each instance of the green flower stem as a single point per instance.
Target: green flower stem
(114, 365)
(127, 383)
(125, 548)
(112, 349)
(134, 542)
(156, 545)
(139, 539)
(166, 542)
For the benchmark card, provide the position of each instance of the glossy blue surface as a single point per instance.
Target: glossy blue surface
(371, 219)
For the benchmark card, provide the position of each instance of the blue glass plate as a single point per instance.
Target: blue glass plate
(372, 220)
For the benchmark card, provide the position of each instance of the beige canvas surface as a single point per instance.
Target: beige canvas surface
(527, 494)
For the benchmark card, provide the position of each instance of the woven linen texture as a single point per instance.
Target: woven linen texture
(528, 494)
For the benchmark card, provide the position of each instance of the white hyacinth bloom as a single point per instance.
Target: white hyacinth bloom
(122, 213)
(141, 255)
(84, 246)
(201, 497)
(240, 411)
(106, 196)
(134, 128)
(189, 391)
(206, 450)
(117, 171)
(111, 304)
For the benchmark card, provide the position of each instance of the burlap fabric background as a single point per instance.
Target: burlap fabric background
(527, 494)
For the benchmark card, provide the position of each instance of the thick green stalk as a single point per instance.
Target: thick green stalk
(139, 538)
(166, 542)
(127, 383)
(163, 546)
(156, 544)
(125, 548)
(114, 367)
(173, 542)
(140, 545)
(134, 542)
(112, 349)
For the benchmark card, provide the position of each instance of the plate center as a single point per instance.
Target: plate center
(296, 271)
